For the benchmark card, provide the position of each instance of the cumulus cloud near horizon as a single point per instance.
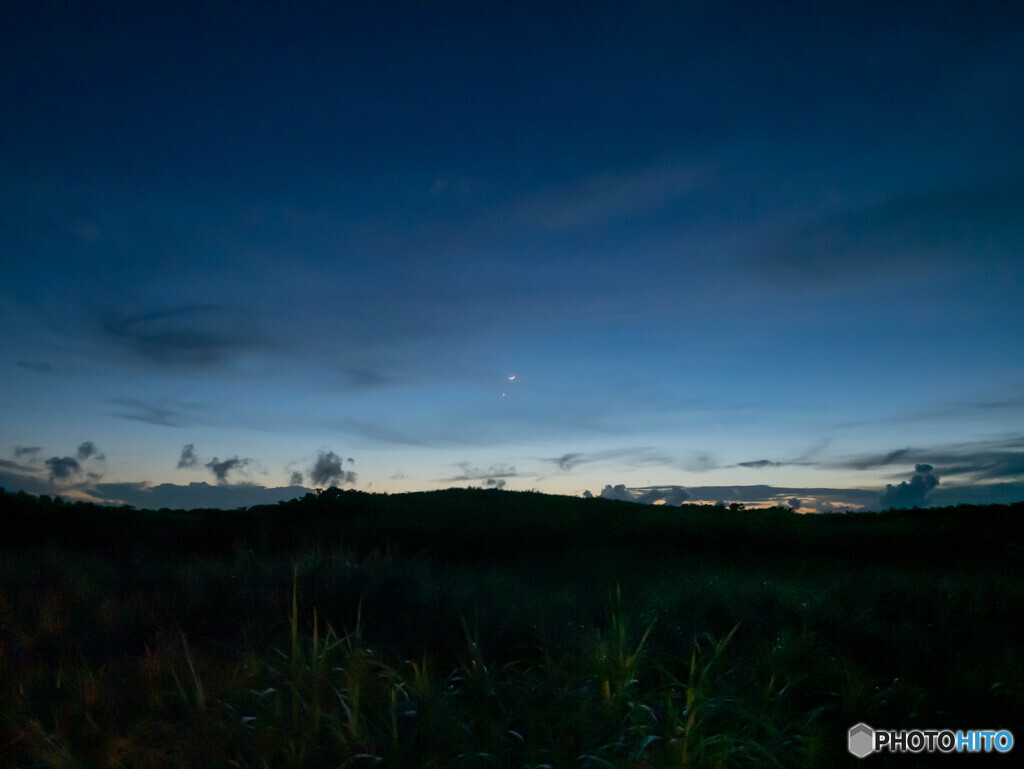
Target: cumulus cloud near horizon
(328, 470)
(193, 496)
(912, 493)
(772, 496)
(494, 477)
(648, 495)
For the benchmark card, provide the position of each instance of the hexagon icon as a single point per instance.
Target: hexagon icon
(861, 740)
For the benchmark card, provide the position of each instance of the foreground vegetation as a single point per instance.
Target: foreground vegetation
(499, 629)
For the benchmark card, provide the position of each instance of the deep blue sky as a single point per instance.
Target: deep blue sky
(736, 251)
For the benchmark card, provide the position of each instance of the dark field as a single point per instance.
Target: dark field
(501, 629)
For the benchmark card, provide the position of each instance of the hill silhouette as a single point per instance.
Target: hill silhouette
(472, 627)
(487, 524)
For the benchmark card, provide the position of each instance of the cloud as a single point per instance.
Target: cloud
(1008, 407)
(997, 459)
(364, 379)
(470, 473)
(599, 199)
(63, 468)
(88, 232)
(493, 476)
(194, 495)
(802, 460)
(668, 495)
(39, 367)
(759, 494)
(296, 478)
(188, 457)
(189, 335)
(636, 457)
(761, 463)
(619, 492)
(647, 495)
(936, 230)
(327, 471)
(15, 477)
(794, 502)
(568, 461)
(700, 462)
(145, 412)
(989, 466)
(221, 468)
(26, 451)
(871, 461)
(8, 465)
(980, 494)
(811, 452)
(381, 433)
(910, 494)
(88, 449)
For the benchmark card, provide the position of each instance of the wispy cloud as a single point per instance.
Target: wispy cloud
(194, 335)
(801, 461)
(997, 459)
(914, 235)
(602, 198)
(141, 411)
(381, 433)
(15, 477)
(357, 379)
(38, 366)
(490, 476)
(759, 464)
(15, 466)
(985, 407)
(194, 495)
(634, 457)
(872, 461)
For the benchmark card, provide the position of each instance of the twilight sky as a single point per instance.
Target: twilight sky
(728, 251)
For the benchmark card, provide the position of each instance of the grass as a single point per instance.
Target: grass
(622, 651)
